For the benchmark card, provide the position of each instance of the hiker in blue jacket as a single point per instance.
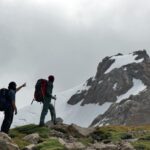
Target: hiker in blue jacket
(47, 102)
(10, 106)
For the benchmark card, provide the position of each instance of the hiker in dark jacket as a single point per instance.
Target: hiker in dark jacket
(10, 107)
(47, 102)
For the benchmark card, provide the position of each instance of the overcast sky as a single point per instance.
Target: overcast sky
(66, 38)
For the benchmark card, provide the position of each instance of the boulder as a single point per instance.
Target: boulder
(59, 131)
(75, 146)
(32, 138)
(126, 146)
(30, 147)
(101, 146)
(57, 134)
(5, 137)
(80, 131)
(72, 145)
(8, 146)
(51, 124)
(88, 148)
(6, 142)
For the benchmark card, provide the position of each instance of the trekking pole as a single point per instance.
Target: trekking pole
(54, 101)
(32, 102)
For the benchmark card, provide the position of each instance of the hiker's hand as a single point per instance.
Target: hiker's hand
(54, 97)
(20, 87)
(24, 85)
(16, 111)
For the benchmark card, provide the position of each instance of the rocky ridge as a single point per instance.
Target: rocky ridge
(124, 81)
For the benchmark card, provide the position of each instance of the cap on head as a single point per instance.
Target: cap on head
(51, 78)
(12, 85)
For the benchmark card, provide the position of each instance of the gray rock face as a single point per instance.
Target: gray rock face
(101, 146)
(6, 143)
(30, 147)
(81, 131)
(32, 138)
(5, 137)
(50, 123)
(72, 145)
(132, 111)
(126, 146)
(8, 146)
(108, 86)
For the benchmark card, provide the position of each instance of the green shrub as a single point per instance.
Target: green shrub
(100, 135)
(86, 141)
(141, 145)
(145, 138)
(29, 129)
(125, 136)
(51, 144)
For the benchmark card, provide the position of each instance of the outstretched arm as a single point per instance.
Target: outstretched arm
(23, 85)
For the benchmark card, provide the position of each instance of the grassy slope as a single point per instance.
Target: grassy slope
(118, 133)
(18, 133)
(109, 133)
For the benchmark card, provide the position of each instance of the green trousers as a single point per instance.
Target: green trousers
(48, 106)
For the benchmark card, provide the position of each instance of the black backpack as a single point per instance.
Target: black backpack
(3, 98)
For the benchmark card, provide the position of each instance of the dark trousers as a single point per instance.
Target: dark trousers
(8, 118)
(48, 106)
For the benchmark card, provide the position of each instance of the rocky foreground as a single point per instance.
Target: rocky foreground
(73, 137)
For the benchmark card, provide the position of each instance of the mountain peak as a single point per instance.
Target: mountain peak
(120, 60)
(119, 78)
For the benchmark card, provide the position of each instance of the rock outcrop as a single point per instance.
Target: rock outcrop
(6, 142)
(32, 138)
(124, 81)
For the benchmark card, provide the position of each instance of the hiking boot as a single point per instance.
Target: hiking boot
(41, 125)
(55, 123)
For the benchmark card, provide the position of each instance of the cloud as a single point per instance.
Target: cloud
(67, 38)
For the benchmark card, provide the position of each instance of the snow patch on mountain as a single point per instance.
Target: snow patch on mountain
(138, 86)
(83, 115)
(100, 82)
(115, 86)
(122, 60)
